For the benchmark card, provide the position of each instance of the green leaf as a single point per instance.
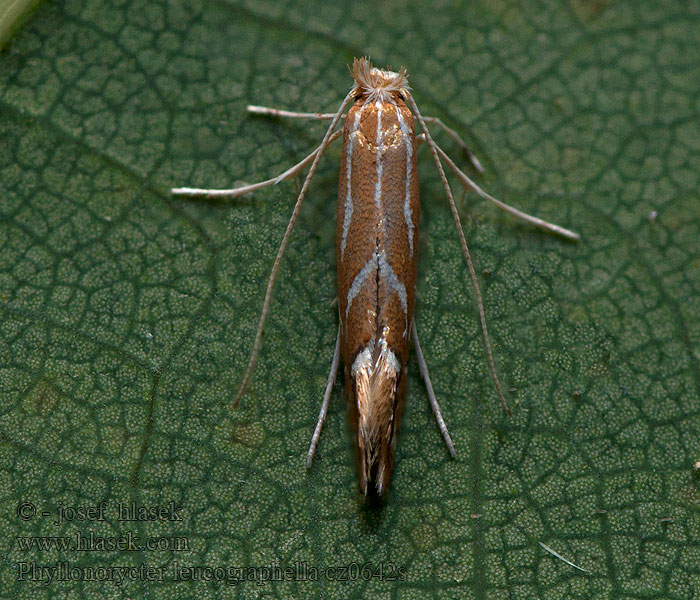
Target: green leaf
(128, 316)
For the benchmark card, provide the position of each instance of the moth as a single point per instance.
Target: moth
(377, 255)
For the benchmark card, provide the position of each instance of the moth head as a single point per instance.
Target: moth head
(378, 84)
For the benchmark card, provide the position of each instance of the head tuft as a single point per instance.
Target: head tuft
(378, 84)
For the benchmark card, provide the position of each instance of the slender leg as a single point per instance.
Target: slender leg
(457, 138)
(467, 256)
(278, 112)
(245, 189)
(423, 367)
(313, 158)
(283, 245)
(324, 405)
(470, 185)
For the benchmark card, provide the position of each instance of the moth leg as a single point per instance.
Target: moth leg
(422, 365)
(457, 138)
(246, 189)
(290, 114)
(470, 185)
(465, 251)
(285, 239)
(324, 405)
(314, 158)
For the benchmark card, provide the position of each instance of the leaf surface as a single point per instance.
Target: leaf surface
(128, 316)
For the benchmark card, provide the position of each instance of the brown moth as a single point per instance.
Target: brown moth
(377, 252)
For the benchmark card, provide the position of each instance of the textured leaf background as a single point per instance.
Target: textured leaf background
(127, 316)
